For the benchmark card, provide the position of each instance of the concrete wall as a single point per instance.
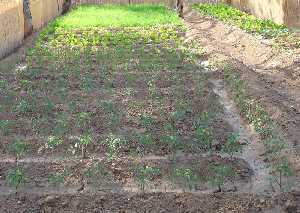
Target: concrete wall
(11, 26)
(280, 11)
(12, 20)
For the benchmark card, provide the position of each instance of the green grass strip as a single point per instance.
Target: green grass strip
(243, 20)
(86, 16)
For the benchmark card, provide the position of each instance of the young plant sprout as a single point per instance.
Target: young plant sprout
(220, 174)
(144, 174)
(53, 142)
(282, 170)
(145, 139)
(15, 178)
(84, 141)
(58, 178)
(203, 138)
(147, 121)
(18, 148)
(232, 145)
(186, 175)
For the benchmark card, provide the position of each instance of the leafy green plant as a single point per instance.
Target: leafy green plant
(186, 175)
(5, 126)
(232, 145)
(220, 174)
(53, 142)
(147, 121)
(172, 141)
(15, 177)
(84, 141)
(58, 178)
(145, 139)
(18, 148)
(203, 138)
(144, 174)
(83, 120)
(98, 172)
(282, 170)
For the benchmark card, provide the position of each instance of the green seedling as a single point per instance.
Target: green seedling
(147, 121)
(145, 139)
(87, 83)
(144, 174)
(5, 126)
(53, 142)
(220, 174)
(24, 107)
(15, 178)
(61, 125)
(232, 145)
(84, 141)
(58, 178)
(98, 172)
(108, 106)
(186, 175)
(203, 138)
(83, 120)
(18, 148)
(282, 170)
(172, 141)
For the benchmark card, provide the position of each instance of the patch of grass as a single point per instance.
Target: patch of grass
(117, 16)
(283, 37)
(243, 20)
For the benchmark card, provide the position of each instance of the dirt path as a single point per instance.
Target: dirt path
(273, 75)
(254, 150)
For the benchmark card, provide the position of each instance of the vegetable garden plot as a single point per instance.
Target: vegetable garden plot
(116, 107)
